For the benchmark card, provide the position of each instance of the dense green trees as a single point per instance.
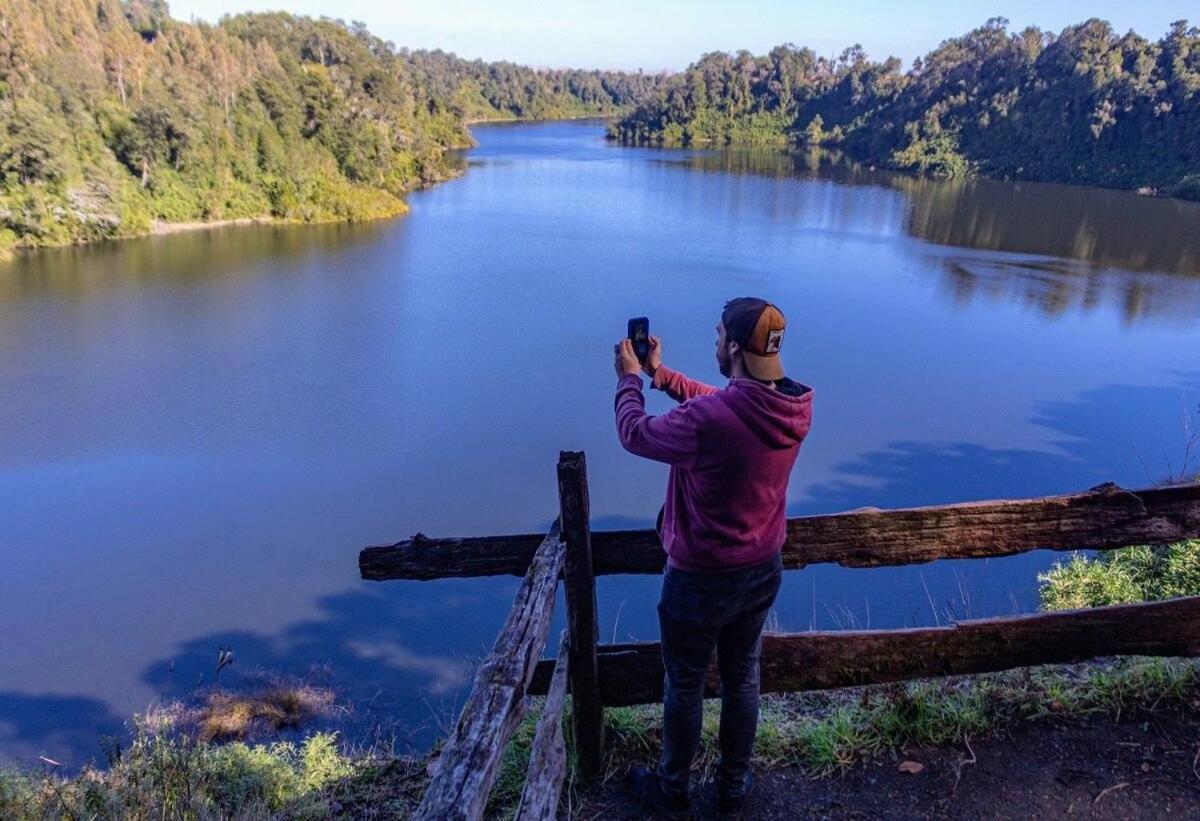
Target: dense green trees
(114, 116)
(1087, 105)
(473, 89)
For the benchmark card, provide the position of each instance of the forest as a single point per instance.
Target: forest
(114, 117)
(1087, 105)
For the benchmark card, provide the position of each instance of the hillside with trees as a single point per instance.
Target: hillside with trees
(114, 117)
(477, 90)
(1087, 105)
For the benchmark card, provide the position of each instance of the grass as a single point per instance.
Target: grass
(226, 716)
(170, 775)
(1132, 574)
(165, 773)
(825, 733)
(194, 762)
(506, 792)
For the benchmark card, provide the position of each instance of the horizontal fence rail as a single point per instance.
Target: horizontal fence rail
(1102, 518)
(467, 767)
(633, 673)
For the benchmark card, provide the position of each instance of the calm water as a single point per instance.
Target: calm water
(198, 432)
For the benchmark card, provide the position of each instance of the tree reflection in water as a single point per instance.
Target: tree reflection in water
(1094, 247)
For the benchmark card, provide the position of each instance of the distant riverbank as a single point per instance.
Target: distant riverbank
(157, 228)
(306, 134)
(990, 103)
(163, 228)
(399, 208)
(531, 121)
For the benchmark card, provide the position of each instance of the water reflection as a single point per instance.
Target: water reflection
(1083, 432)
(1107, 247)
(775, 162)
(1058, 286)
(182, 258)
(1110, 229)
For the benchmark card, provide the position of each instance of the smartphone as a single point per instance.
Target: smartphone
(639, 335)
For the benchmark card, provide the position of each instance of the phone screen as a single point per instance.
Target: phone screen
(639, 335)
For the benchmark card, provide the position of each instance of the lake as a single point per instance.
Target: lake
(198, 432)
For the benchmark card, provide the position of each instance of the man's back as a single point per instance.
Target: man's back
(731, 452)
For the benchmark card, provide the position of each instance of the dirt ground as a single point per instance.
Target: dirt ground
(1147, 768)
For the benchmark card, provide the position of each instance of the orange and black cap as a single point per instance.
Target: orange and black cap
(757, 326)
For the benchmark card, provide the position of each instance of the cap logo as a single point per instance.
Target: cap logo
(774, 341)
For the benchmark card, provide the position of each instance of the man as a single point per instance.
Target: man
(731, 451)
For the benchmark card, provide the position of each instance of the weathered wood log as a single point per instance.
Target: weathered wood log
(1103, 518)
(633, 673)
(423, 558)
(579, 585)
(548, 758)
(467, 766)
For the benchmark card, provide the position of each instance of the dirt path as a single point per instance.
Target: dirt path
(1143, 769)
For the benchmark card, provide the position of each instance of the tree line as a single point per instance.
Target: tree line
(114, 116)
(1087, 105)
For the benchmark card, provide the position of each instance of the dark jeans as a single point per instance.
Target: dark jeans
(699, 613)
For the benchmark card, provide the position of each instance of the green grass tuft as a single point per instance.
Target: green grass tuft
(1129, 575)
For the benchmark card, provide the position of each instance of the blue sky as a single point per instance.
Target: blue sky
(630, 34)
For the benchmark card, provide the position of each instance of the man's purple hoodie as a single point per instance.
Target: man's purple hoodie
(731, 451)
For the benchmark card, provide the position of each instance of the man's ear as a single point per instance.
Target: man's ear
(733, 348)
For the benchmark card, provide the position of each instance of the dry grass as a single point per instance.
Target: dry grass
(228, 716)
(262, 713)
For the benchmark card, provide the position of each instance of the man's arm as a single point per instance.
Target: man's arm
(672, 382)
(679, 387)
(672, 438)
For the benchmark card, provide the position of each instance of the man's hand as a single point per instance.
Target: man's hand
(626, 361)
(654, 358)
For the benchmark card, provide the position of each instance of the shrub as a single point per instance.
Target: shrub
(1187, 188)
(1133, 574)
(164, 774)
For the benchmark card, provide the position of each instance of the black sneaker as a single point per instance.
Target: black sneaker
(647, 787)
(730, 807)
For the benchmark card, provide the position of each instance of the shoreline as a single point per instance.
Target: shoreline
(489, 120)
(159, 228)
(163, 229)
(789, 146)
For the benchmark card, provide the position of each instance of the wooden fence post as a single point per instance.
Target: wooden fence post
(548, 757)
(579, 582)
(467, 768)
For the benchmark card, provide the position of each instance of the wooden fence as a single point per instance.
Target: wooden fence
(599, 675)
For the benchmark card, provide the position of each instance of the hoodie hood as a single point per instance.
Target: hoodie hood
(780, 417)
